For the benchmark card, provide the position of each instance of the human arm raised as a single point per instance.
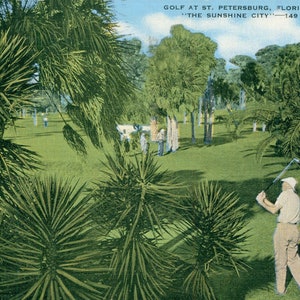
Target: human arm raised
(261, 198)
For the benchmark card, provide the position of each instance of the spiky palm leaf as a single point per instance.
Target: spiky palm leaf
(214, 225)
(48, 250)
(74, 139)
(141, 270)
(15, 161)
(138, 188)
(137, 202)
(16, 71)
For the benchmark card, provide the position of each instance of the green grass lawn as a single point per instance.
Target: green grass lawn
(231, 163)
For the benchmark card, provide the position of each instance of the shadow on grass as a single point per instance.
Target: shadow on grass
(245, 190)
(46, 133)
(218, 140)
(227, 285)
(186, 143)
(259, 276)
(188, 177)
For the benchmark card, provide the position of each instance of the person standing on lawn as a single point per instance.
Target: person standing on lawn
(144, 143)
(286, 236)
(161, 142)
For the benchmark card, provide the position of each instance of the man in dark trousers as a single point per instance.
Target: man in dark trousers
(286, 235)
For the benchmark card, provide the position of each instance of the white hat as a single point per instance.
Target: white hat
(291, 181)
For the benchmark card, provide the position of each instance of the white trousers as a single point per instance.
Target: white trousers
(286, 239)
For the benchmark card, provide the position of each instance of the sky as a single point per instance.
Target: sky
(238, 27)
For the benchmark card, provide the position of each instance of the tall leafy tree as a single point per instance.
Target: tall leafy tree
(267, 58)
(226, 85)
(179, 69)
(251, 81)
(241, 62)
(283, 114)
(220, 73)
(136, 63)
(273, 81)
(254, 80)
(78, 55)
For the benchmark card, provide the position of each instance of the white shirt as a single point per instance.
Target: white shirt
(289, 204)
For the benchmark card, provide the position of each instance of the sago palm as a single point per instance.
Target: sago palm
(48, 249)
(214, 233)
(137, 203)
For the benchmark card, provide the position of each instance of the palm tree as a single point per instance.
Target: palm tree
(282, 117)
(78, 57)
(213, 233)
(49, 249)
(137, 204)
(16, 91)
(178, 72)
(273, 80)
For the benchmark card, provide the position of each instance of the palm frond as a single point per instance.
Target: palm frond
(214, 225)
(137, 202)
(141, 272)
(74, 139)
(50, 244)
(15, 161)
(78, 56)
(16, 71)
(291, 140)
(132, 182)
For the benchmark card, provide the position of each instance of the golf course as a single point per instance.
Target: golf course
(232, 163)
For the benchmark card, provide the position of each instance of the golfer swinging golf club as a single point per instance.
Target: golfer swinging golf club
(286, 235)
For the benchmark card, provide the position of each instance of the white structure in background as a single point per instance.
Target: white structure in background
(126, 130)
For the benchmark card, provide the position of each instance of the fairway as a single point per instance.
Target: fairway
(231, 163)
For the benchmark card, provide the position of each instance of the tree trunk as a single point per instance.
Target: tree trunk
(35, 120)
(209, 106)
(175, 137)
(153, 129)
(242, 100)
(193, 127)
(172, 134)
(200, 111)
(205, 106)
(169, 134)
(210, 127)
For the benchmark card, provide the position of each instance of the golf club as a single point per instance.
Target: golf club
(282, 172)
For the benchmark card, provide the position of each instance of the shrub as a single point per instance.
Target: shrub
(137, 204)
(213, 233)
(48, 249)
